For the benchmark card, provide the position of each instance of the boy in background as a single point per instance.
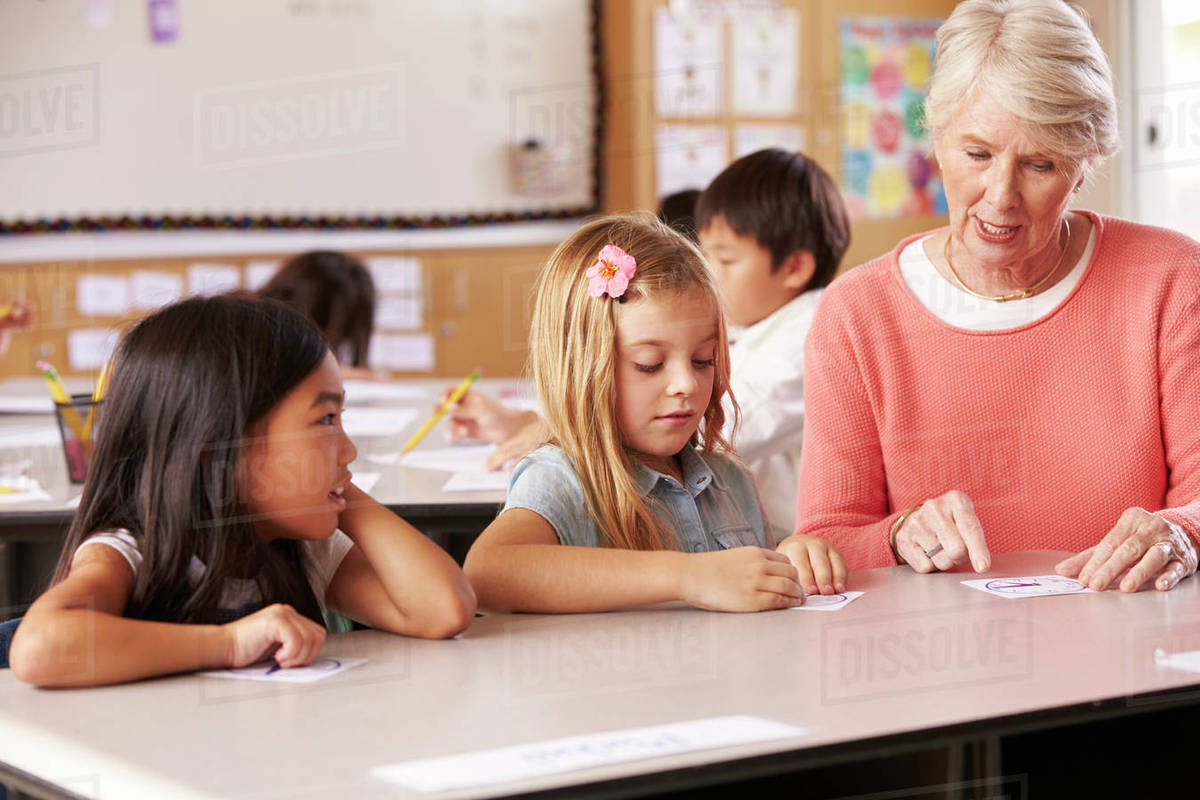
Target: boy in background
(774, 229)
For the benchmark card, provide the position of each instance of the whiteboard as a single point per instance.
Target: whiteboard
(277, 110)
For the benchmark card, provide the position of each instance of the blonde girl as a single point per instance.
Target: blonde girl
(634, 498)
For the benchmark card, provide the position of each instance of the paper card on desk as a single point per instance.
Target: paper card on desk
(366, 480)
(362, 421)
(1034, 586)
(319, 669)
(460, 458)
(39, 404)
(358, 391)
(556, 756)
(470, 481)
(1188, 661)
(828, 602)
(39, 436)
(21, 489)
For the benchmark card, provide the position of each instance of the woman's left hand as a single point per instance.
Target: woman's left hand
(1144, 546)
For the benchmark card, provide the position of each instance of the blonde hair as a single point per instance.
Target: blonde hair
(572, 355)
(1040, 60)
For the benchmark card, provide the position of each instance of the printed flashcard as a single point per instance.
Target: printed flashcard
(1189, 661)
(1034, 586)
(319, 669)
(556, 756)
(828, 602)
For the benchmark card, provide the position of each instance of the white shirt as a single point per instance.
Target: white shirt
(322, 556)
(767, 378)
(952, 305)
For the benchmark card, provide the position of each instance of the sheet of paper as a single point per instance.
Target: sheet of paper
(765, 72)
(688, 156)
(259, 272)
(359, 391)
(372, 421)
(689, 70)
(89, 348)
(555, 756)
(1188, 661)
(410, 352)
(395, 274)
(384, 458)
(30, 436)
(752, 137)
(1033, 586)
(828, 602)
(399, 312)
(153, 289)
(31, 404)
(366, 480)
(477, 481)
(211, 279)
(102, 295)
(21, 489)
(319, 669)
(466, 457)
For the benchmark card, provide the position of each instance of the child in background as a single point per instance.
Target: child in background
(774, 229)
(336, 292)
(517, 431)
(678, 210)
(633, 500)
(218, 519)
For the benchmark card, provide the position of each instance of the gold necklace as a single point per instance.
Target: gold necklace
(1018, 295)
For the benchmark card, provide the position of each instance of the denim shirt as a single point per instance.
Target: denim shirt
(716, 507)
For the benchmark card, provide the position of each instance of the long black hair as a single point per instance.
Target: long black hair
(186, 382)
(336, 292)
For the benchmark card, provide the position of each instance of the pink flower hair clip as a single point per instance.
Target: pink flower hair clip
(611, 273)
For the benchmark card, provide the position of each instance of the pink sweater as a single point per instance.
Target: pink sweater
(1052, 428)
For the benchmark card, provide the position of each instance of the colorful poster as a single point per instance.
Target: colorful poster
(888, 168)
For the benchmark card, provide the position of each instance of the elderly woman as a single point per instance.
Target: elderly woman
(1029, 377)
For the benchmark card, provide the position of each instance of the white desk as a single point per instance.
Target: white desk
(917, 658)
(451, 518)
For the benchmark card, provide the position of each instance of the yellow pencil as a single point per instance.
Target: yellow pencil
(97, 396)
(454, 397)
(61, 397)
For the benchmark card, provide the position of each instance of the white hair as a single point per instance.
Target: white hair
(1040, 61)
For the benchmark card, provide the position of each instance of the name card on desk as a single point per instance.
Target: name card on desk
(554, 756)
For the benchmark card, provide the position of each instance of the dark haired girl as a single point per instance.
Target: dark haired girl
(218, 520)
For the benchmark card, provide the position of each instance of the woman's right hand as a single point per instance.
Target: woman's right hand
(942, 532)
(278, 630)
(741, 579)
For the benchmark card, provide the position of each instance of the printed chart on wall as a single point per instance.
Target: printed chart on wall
(887, 164)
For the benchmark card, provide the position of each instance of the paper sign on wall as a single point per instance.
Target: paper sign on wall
(395, 274)
(258, 273)
(153, 289)
(688, 156)
(90, 348)
(213, 279)
(765, 74)
(102, 295)
(403, 312)
(689, 55)
(410, 352)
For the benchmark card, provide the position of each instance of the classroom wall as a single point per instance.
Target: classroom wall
(474, 296)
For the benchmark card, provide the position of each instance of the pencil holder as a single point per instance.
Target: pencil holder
(77, 422)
